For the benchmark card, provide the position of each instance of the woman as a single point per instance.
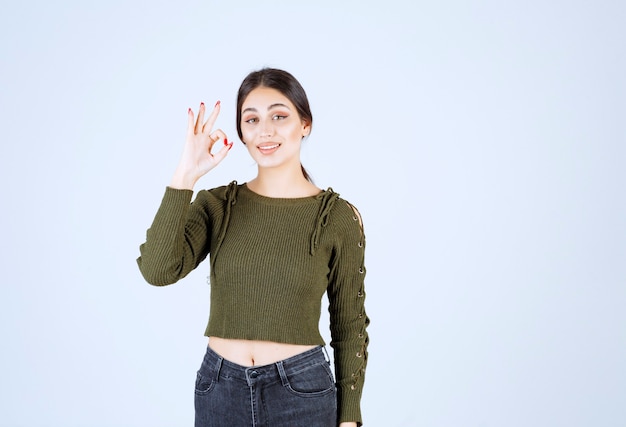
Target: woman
(276, 244)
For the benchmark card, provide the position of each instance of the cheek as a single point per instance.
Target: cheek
(297, 134)
(246, 134)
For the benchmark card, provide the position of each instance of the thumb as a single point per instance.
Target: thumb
(220, 155)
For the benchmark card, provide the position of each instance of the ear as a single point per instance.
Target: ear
(306, 128)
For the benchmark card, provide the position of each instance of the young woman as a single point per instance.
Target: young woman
(276, 244)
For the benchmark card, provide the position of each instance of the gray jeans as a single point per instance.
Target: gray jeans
(298, 391)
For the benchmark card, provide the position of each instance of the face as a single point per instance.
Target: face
(272, 128)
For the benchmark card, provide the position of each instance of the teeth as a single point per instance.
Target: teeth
(269, 147)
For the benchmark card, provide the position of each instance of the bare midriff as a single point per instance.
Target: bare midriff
(255, 353)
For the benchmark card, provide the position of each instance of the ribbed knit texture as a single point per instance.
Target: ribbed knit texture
(272, 260)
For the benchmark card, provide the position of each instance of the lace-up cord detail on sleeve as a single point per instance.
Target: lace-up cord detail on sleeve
(328, 200)
(362, 336)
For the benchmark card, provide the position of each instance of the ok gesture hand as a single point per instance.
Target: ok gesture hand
(197, 158)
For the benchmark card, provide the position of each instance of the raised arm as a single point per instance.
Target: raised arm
(179, 237)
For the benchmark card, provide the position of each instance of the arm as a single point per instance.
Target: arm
(348, 320)
(179, 237)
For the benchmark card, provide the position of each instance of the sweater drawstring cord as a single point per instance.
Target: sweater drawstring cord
(328, 200)
(231, 199)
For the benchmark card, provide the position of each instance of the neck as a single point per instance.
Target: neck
(273, 182)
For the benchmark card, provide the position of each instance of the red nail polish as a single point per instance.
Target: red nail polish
(202, 104)
(217, 103)
(230, 145)
(225, 141)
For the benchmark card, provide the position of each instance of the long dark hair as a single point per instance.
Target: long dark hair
(283, 82)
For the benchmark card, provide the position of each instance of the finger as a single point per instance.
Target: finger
(216, 136)
(198, 127)
(222, 153)
(190, 122)
(212, 118)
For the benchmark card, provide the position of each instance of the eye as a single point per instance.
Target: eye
(279, 117)
(251, 120)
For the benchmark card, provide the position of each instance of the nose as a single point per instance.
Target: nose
(267, 129)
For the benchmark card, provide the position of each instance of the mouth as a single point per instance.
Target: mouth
(268, 148)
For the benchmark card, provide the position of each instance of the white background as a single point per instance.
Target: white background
(482, 141)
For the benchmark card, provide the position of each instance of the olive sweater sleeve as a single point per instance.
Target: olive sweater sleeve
(348, 320)
(178, 239)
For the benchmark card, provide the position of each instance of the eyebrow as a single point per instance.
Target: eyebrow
(268, 108)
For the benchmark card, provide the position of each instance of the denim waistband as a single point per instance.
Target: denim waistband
(223, 368)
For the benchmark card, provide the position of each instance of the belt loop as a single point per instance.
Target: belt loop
(218, 368)
(281, 372)
(327, 355)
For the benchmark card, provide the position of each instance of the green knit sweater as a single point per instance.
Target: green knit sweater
(271, 261)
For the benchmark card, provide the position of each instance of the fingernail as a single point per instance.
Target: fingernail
(230, 145)
(202, 104)
(189, 111)
(217, 103)
(225, 141)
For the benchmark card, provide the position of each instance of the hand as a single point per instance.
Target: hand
(197, 158)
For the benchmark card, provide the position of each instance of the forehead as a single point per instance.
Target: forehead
(264, 97)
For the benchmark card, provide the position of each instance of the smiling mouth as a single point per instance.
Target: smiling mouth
(268, 149)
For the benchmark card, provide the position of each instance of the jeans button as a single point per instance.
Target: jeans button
(254, 374)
